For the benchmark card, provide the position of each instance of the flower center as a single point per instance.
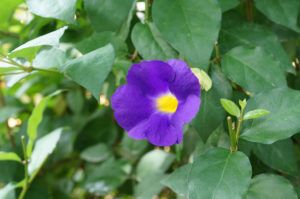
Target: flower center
(167, 103)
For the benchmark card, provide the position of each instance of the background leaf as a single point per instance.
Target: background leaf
(219, 174)
(53, 8)
(253, 69)
(150, 44)
(189, 27)
(91, 70)
(270, 186)
(42, 149)
(281, 123)
(281, 12)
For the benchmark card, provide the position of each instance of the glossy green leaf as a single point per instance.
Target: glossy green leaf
(108, 15)
(8, 192)
(219, 174)
(253, 69)
(190, 27)
(231, 107)
(42, 149)
(150, 44)
(281, 12)
(269, 186)
(253, 35)
(279, 156)
(98, 40)
(178, 180)
(50, 58)
(255, 113)
(95, 153)
(281, 123)
(30, 48)
(9, 156)
(91, 70)
(211, 113)
(53, 9)
(4, 70)
(153, 162)
(34, 121)
(228, 4)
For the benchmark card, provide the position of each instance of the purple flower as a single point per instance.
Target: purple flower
(157, 100)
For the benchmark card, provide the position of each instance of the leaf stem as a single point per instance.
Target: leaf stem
(25, 162)
(249, 10)
(233, 140)
(218, 57)
(240, 121)
(147, 2)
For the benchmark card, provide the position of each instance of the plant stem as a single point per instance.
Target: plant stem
(232, 135)
(147, 2)
(249, 10)
(26, 185)
(218, 57)
(240, 121)
(8, 130)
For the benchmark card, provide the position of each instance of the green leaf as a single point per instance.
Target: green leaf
(34, 121)
(211, 114)
(219, 174)
(3, 70)
(153, 162)
(95, 153)
(253, 35)
(255, 113)
(7, 112)
(8, 192)
(30, 48)
(106, 177)
(91, 70)
(203, 78)
(279, 156)
(231, 107)
(53, 9)
(50, 58)
(281, 12)
(178, 180)
(253, 69)
(150, 44)
(228, 4)
(132, 148)
(7, 7)
(9, 156)
(243, 104)
(149, 187)
(98, 40)
(108, 15)
(190, 27)
(270, 186)
(281, 123)
(42, 149)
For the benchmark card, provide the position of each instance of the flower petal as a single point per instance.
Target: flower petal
(186, 111)
(157, 129)
(130, 106)
(185, 82)
(151, 77)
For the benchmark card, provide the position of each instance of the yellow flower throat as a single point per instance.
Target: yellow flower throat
(167, 103)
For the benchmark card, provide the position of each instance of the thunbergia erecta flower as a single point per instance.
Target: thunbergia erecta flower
(157, 100)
